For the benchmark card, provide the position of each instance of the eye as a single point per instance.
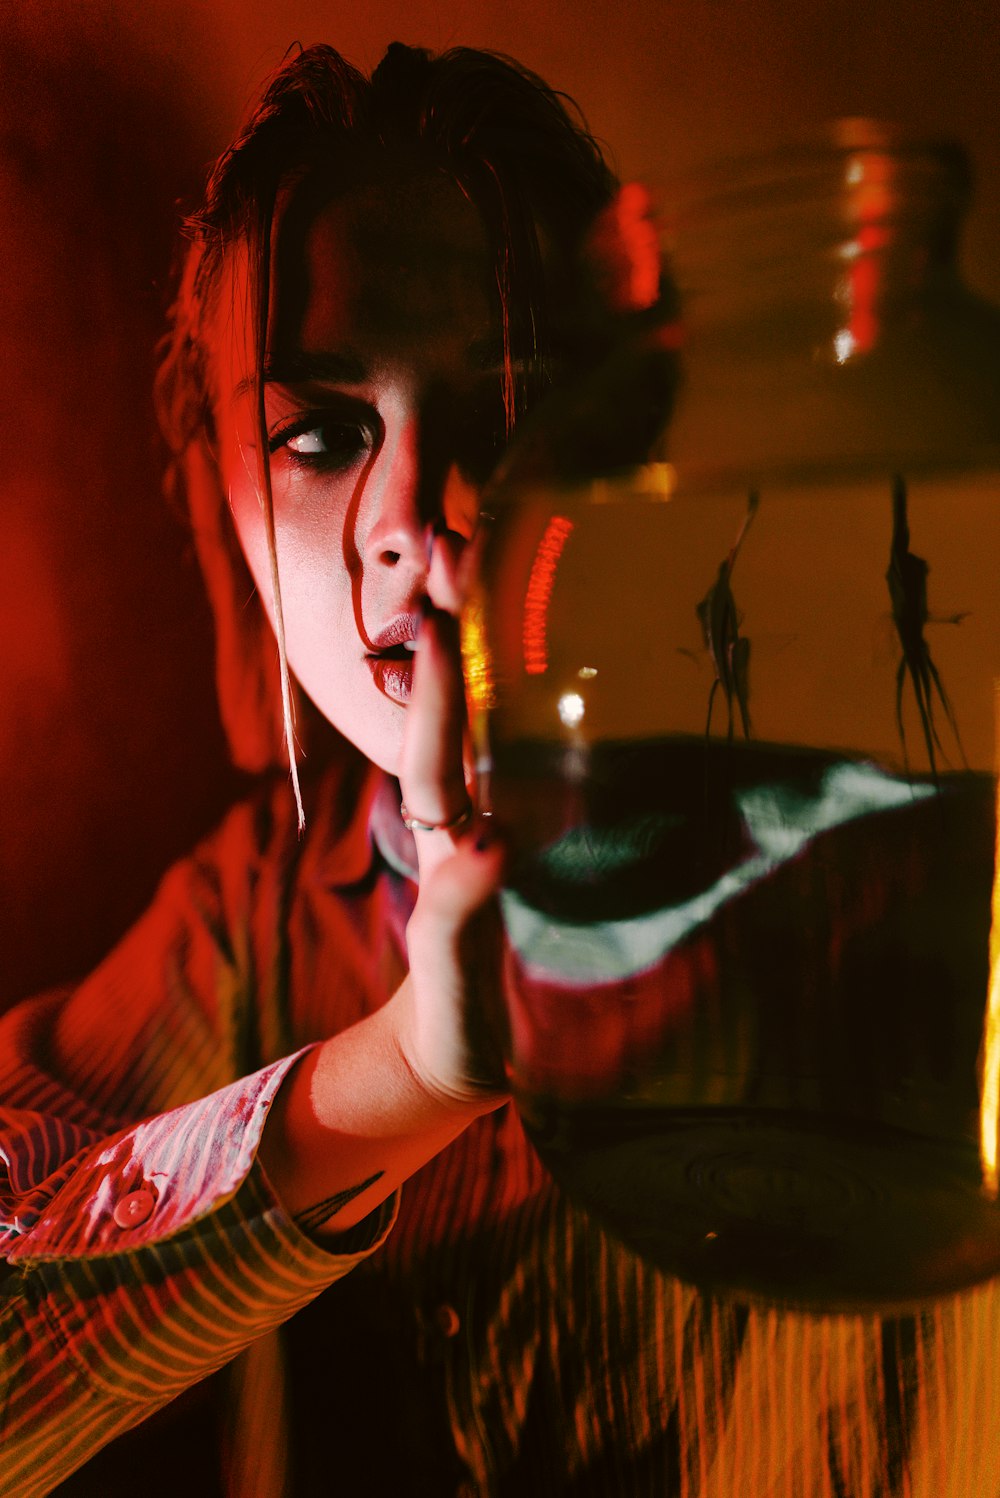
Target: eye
(483, 434)
(308, 444)
(480, 436)
(320, 441)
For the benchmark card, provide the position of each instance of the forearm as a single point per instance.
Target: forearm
(354, 1120)
(93, 1343)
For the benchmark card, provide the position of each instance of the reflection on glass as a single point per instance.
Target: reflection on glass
(989, 1107)
(742, 732)
(749, 924)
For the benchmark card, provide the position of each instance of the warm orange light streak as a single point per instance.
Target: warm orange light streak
(989, 1082)
(539, 594)
(476, 659)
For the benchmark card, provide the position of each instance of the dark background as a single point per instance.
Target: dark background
(111, 758)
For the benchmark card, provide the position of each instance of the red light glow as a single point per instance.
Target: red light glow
(539, 594)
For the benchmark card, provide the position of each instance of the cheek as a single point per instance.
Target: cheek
(316, 589)
(323, 636)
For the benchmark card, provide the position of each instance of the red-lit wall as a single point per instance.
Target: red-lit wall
(111, 759)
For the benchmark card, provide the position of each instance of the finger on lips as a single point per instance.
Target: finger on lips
(432, 771)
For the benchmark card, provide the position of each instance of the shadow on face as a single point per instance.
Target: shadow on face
(384, 410)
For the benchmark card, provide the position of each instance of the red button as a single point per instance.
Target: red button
(135, 1209)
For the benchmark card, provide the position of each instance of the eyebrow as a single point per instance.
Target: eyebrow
(299, 367)
(337, 365)
(342, 366)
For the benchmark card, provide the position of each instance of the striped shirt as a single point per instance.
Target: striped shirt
(491, 1338)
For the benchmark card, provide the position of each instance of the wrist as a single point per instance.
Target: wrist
(357, 1116)
(447, 1084)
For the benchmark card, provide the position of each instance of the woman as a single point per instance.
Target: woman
(372, 301)
(208, 1134)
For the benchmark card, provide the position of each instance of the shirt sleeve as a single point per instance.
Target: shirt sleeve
(141, 1244)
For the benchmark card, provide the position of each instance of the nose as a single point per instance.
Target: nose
(399, 533)
(416, 491)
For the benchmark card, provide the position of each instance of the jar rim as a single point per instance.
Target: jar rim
(821, 163)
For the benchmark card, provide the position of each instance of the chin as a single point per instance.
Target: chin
(380, 741)
(388, 762)
(359, 712)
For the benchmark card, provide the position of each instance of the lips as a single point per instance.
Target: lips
(390, 659)
(399, 631)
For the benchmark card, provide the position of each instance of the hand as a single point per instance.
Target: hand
(605, 415)
(365, 1110)
(450, 1018)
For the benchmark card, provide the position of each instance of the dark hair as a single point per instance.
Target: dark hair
(521, 154)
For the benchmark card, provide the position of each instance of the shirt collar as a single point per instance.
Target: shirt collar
(391, 839)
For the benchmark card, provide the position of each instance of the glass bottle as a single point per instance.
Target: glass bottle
(737, 711)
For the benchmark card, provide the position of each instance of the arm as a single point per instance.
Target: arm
(125, 1089)
(364, 1111)
(355, 1121)
(141, 1244)
(106, 1314)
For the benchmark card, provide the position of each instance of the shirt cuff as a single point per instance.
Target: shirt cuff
(149, 1183)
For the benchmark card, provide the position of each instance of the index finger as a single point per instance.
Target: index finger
(432, 773)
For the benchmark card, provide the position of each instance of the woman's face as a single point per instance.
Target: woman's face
(384, 412)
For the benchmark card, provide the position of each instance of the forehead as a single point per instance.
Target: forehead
(382, 267)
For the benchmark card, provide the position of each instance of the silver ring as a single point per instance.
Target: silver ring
(414, 824)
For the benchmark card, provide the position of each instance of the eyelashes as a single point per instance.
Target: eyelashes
(322, 441)
(470, 431)
(482, 433)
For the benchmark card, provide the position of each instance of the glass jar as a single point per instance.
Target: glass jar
(737, 711)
